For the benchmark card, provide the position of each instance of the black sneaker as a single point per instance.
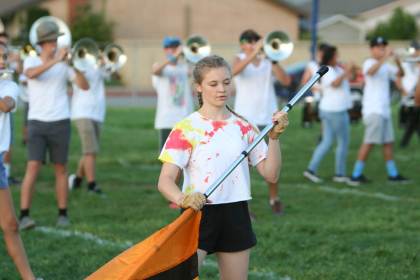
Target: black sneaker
(96, 191)
(399, 179)
(312, 176)
(14, 181)
(356, 181)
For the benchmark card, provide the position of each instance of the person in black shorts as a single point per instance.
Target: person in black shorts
(203, 145)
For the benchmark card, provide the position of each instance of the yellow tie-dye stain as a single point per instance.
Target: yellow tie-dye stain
(187, 128)
(189, 189)
(166, 157)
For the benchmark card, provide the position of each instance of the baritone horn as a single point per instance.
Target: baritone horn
(196, 47)
(85, 54)
(407, 54)
(277, 46)
(114, 57)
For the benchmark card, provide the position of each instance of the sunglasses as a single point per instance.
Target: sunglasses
(3, 56)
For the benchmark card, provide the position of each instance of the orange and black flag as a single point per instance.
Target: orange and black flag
(170, 253)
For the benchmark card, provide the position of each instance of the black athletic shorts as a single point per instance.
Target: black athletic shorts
(226, 228)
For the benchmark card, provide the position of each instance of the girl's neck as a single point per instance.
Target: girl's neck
(214, 113)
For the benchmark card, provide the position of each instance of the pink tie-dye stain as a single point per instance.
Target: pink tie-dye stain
(176, 141)
(216, 126)
(244, 128)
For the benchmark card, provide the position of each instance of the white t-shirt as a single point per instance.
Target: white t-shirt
(334, 99)
(23, 88)
(47, 93)
(7, 88)
(204, 149)
(90, 104)
(376, 93)
(255, 95)
(313, 67)
(409, 82)
(174, 98)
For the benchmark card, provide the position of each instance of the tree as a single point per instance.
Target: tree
(401, 26)
(91, 24)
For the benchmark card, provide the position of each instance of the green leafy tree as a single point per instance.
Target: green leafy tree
(401, 26)
(94, 25)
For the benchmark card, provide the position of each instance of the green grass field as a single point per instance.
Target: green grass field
(330, 231)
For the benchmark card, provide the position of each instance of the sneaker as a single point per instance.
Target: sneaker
(63, 221)
(340, 179)
(276, 206)
(71, 181)
(398, 179)
(13, 181)
(311, 176)
(96, 191)
(356, 181)
(26, 223)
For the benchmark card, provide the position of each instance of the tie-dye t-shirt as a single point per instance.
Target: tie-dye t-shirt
(204, 149)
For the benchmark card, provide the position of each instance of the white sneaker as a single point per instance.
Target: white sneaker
(312, 177)
(26, 223)
(71, 179)
(341, 179)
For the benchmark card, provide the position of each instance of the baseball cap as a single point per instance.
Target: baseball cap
(377, 41)
(171, 41)
(248, 36)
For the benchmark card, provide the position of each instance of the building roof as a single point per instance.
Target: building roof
(340, 18)
(328, 8)
(387, 8)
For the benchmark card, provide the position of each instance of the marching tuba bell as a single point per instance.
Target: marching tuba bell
(63, 41)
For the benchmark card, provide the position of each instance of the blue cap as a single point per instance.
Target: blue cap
(169, 42)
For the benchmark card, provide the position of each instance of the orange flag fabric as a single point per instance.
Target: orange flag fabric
(170, 253)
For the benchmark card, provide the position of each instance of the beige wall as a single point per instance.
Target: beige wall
(57, 8)
(218, 20)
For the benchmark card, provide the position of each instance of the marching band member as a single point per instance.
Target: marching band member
(377, 111)
(48, 119)
(334, 117)
(408, 85)
(171, 81)
(88, 112)
(8, 96)
(310, 70)
(255, 95)
(203, 145)
(15, 64)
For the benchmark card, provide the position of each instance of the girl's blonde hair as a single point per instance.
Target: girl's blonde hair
(202, 67)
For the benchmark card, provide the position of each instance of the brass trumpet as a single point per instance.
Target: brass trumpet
(114, 57)
(277, 46)
(196, 47)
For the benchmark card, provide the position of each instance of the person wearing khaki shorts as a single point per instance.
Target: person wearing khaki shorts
(89, 131)
(377, 111)
(88, 114)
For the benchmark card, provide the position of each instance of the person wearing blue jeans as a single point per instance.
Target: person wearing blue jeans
(335, 120)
